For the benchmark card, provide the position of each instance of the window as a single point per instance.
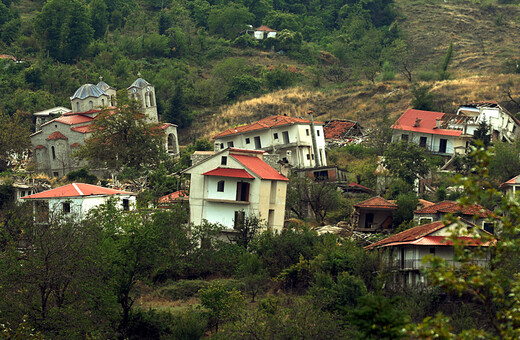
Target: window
(55, 174)
(318, 132)
(425, 220)
(77, 107)
(442, 145)
(432, 251)
(90, 104)
(321, 175)
(230, 144)
(242, 192)
(285, 135)
(102, 102)
(258, 144)
(53, 152)
(308, 156)
(422, 142)
(240, 216)
(248, 141)
(307, 132)
(221, 146)
(369, 221)
(126, 204)
(275, 135)
(312, 156)
(489, 227)
(223, 160)
(66, 207)
(404, 137)
(220, 186)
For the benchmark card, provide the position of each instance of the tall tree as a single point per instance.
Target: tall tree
(14, 137)
(122, 138)
(99, 17)
(64, 26)
(406, 161)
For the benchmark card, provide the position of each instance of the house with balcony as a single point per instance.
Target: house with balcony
(511, 187)
(75, 200)
(425, 128)
(402, 254)
(299, 142)
(233, 184)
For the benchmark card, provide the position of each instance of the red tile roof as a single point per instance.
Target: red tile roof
(259, 167)
(7, 56)
(511, 181)
(180, 195)
(355, 185)
(77, 190)
(455, 208)
(72, 113)
(266, 123)
(409, 235)
(376, 202)
(56, 135)
(229, 172)
(39, 146)
(265, 29)
(73, 120)
(82, 129)
(164, 126)
(336, 129)
(424, 122)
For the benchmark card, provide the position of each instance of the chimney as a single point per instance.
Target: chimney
(417, 122)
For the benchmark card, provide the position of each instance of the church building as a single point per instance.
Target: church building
(55, 140)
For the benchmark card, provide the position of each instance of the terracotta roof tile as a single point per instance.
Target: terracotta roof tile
(266, 123)
(424, 122)
(336, 129)
(82, 129)
(265, 29)
(229, 172)
(39, 146)
(376, 202)
(76, 190)
(454, 208)
(180, 195)
(259, 167)
(408, 235)
(433, 209)
(355, 185)
(56, 135)
(73, 120)
(514, 180)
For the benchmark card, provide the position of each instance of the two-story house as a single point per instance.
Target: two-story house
(75, 200)
(293, 139)
(234, 183)
(425, 129)
(403, 253)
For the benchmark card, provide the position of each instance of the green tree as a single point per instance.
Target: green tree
(483, 134)
(504, 163)
(423, 99)
(229, 20)
(221, 304)
(178, 112)
(444, 74)
(252, 273)
(64, 26)
(122, 138)
(98, 17)
(14, 137)
(406, 161)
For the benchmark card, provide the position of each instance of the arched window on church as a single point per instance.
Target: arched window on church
(102, 102)
(53, 152)
(90, 104)
(151, 99)
(112, 100)
(147, 99)
(172, 147)
(77, 107)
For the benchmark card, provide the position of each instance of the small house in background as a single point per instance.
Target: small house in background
(436, 212)
(354, 189)
(340, 132)
(233, 184)
(324, 173)
(403, 252)
(76, 199)
(373, 215)
(177, 197)
(264, 32)
(511, 187)
(49, 114)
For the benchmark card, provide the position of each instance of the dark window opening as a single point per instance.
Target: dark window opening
(318, 132)
(404, 137)
(66, 207)
(422, 142)
(308, 156)
(126, 204)
(53, 152)
(285, 135)
(432, 251)
(442, 145)
(248, 141)
(242, 192)
(240, 217)
(258, 144)
(275, 135)
(321, 175)
(55, 174)
(307, 132)
(489, 227)
(223, 161)
(220, 186)
(369, 220)
(230, 144)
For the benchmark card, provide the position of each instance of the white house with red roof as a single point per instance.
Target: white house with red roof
(426, 129)
(55, 141)
(404, 252)
(373, 215)
(264, 32)
(76, 199)
(234, 183)
(511, 187)
(289, 137)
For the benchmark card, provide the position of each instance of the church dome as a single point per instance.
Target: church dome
(139, 83)
(88, 90)
(103, 86)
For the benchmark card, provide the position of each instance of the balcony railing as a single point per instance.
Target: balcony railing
(417, 264)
